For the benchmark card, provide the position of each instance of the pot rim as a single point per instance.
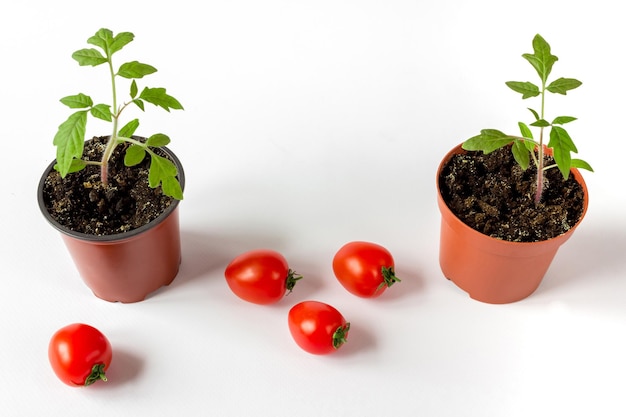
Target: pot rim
(458, 149)
(117, 237)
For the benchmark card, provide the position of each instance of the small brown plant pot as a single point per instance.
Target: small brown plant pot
(125, 267)
(493, 270)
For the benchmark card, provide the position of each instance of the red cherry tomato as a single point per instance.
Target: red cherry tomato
(317, 327)
(364, 269)
(260, 276)
(79, 354)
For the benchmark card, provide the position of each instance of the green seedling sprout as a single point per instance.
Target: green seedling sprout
(70, 137)
(525, 148)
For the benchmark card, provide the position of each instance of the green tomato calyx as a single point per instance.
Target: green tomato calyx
(97, 374)
(292, 279)
(341, 335)
(389, 278)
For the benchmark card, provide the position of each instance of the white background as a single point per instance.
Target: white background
(308, 125)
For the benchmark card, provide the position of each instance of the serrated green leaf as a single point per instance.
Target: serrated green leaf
(134, 155)
(526, 89)
(162, 170)
(77, 165)
(102, 111)
(520, 153)
(133, 89)
(561, 120)
(159, 97)
(579, 163)
(542, 59)
(139, 104)
(563, 85)
(172, 188)
(525, 130)
(540, 123)
(69, 140)
(487, 141)
(135, 69)
(89, 56)
(562, 144)
(129, 128)
(158, 140)
(534, 113)
(119, 41)
(101, 39)
(78, 101)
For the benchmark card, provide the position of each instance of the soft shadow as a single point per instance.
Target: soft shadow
(203, 253)
(360, 340)
(596, 255)
(125, 367)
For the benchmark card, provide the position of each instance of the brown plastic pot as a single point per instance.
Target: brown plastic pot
(493, 270)
(125, 267)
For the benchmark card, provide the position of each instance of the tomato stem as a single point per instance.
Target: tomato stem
(389, 278)
(97, 374)
(292, 279)
(341, 335)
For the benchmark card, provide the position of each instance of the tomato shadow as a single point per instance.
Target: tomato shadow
(360, 340)
(411, 282)
(125, 367)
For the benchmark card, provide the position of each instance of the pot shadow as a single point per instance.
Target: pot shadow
(204, 253)
(594, 254)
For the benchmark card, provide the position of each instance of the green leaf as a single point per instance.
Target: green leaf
(562, 144)
(89, 56)
(534, 113)
(488, 141)
(69, 140)
(563, 85)
(561, 120)
(139, 104)
(135, 69)
(520, 153)
(78, 101)
(134, 155)
(158, 140)
(172, 188)
(163, 171)
(527, 89)
(542, 59)
(133, 89)
(579, 163)
(129, 128)
(77, 165)
(105, 40)
(102, 111)
(119, 41)
(101, 39)
(159, 97)
(525, 130)
(540, 123)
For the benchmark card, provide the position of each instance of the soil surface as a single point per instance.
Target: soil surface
(493, 195)
(83, 204)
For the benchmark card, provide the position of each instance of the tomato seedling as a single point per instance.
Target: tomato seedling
(79, 354)
(317, 327)
(260, 276)
(524, 147)
(365, 269)
(70, 136)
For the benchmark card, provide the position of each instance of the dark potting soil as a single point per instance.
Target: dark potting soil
(83, 204)
(494, 196)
